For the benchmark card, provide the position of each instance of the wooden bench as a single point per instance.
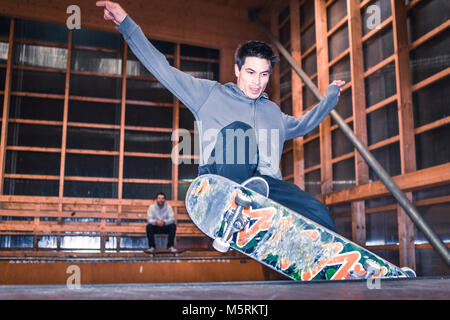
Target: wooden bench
(104, 218)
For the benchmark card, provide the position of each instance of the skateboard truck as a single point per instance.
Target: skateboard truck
(373, 268)
(236, 221)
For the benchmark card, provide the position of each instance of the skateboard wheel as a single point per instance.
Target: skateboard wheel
(221, 245)
(410, 273)
(243, 200)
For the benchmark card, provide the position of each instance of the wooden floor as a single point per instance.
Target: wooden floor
(419, 288)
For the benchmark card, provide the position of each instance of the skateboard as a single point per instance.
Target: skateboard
(241, 217)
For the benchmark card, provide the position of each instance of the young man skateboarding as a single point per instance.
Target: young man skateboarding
(237, 112)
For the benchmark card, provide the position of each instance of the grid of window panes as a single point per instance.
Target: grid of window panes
(86, 136)
(284, 34)
(311, 142)
(429, 65)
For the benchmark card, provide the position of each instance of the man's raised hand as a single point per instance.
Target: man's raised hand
(339, 83)
(112, 11)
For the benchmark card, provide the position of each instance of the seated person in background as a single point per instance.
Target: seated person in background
(161, 219)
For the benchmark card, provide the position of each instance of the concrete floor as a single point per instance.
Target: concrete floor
(418, 288)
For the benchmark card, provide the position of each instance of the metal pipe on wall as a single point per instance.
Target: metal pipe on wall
(409, 208)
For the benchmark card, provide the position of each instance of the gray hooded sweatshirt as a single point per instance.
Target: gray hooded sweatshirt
(215, 106)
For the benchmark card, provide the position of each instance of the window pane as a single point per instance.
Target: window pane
(381, 228)
(380, 85)
(284, 33)
(25, 162)
(96, 61)
(306, 12)
(4, 26)
(34, 135)
(83, 165)
(201, 70)
(312, 153)
(430, 58)
(432, 147)
(154, 142)
(148, 91)
(16, 241)
(337, 43)
(33, 30)
(93, 86)
(389, 158)
(94, 112)
(382, 123)
(287, 164)
(344, 174)
(435, 215)
(80, 242)
(425, 16)
(87, 189)
(378, 48)
(286, 106)
(431, 103)
(312, 182)
(182, 189)
(93, 38)
(283, 62)
(93, 139)
(187, 171)
(309, 63)
(187, 119)
(199, 52)
(4, 53)
(41, 82)
(40, 56)
(336, 12)
(2, 79)
(285, 84)
(309, 98)
(340, 143)
(31, 187)
(146, 116)
(308, 38)
(147, 168)
(145, 191)
(36, 108)
(341, 70)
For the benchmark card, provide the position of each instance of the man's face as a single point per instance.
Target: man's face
(160, 199)
(253, 77)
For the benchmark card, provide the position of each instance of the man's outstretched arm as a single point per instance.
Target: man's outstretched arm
(310, 120)
(191, 91)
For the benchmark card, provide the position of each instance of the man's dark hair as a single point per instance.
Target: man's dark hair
(160, 194)
(257, 49)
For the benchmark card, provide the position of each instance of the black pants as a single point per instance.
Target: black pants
(283, 192)
(169, 229)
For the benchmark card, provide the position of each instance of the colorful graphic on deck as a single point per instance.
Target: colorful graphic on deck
(279, 237)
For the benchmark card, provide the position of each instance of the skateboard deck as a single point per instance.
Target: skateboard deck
(280, 238)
